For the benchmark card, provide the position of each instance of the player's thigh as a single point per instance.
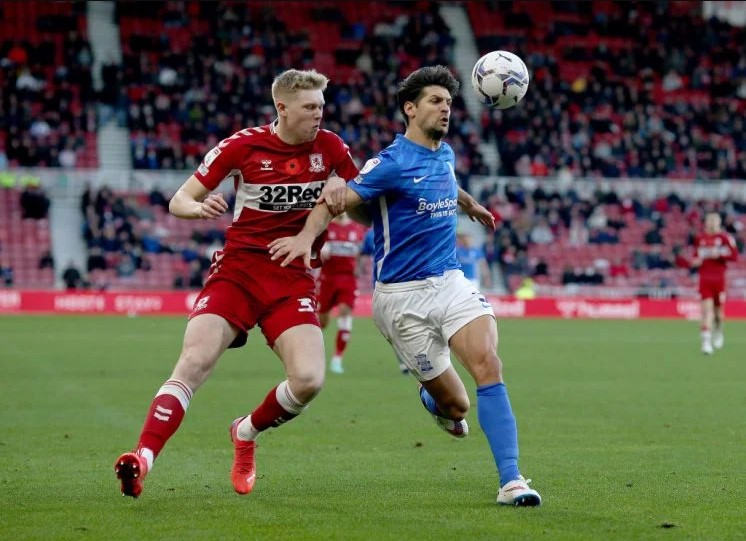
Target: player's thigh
(301, 350)
(404, 319)
(207, 336)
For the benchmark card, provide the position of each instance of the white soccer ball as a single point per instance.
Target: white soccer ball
(500, 79)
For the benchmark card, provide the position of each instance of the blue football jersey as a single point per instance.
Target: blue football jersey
(413, 198)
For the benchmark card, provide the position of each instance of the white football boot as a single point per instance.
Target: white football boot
(519, 494)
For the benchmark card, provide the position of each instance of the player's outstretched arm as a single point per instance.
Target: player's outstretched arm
(334, 195)
(301, 244)
(476, 212)
(192, 201)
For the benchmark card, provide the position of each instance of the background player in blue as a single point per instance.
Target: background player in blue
(423, 304)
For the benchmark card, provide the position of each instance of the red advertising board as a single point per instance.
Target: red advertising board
(180, 302)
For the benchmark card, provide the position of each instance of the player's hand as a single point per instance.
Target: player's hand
(291, 248)
(477, 213)
(334, 195)
(213, 206)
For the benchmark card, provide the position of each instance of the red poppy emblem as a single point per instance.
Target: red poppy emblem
(292, 167)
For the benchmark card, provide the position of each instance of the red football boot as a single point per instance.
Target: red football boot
(131, 470)
(243, 472)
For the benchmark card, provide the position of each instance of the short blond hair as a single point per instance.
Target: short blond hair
(290, 81)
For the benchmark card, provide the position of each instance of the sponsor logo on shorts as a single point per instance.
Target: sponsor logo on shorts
(306, 305)
(202, 303)
(423, 363)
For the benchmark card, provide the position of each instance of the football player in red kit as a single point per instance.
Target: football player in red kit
(279, 172)
(337, 283)
(713, 249)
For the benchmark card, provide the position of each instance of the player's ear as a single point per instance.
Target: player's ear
(410, 108)
(281, 108)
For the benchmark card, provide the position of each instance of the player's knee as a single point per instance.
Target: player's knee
(306, 386)
(193, 367)
(487, 368)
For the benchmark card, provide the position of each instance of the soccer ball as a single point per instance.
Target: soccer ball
(500, 79)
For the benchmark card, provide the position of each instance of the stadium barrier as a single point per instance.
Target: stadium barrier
(180, 302)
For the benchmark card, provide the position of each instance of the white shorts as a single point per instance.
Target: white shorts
(418, 318)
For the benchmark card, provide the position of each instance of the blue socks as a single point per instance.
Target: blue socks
(429, 402)
(498, 423)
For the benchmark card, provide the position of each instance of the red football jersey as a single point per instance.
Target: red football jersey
(715, 250)
(343, 241)
(276, 184)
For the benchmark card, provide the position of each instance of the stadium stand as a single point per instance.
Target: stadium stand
(609, 98)
(208, 74)
(612, 98)
(25, 238)
(48, 117)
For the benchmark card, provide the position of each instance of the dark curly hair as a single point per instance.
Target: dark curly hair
(410, 89)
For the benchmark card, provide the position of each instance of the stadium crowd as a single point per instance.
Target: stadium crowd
(48, 114)
(647, 234)
(609, 98)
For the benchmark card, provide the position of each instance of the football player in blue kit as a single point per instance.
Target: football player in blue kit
(422, 303)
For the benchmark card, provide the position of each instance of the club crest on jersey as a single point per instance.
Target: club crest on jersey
(317, 163)
(266, 165)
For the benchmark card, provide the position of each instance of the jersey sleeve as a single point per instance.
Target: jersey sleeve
(219, 162)
(379, 175)
(344, 166)
(732, 249)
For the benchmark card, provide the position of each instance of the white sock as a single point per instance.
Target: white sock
(287, 399)
(147, 454)
(246, 431)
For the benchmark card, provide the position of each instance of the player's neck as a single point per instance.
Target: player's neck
(287, 136)
(416, 136)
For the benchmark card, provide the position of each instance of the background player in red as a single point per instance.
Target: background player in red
(713, 249)
(279, 172)
(337, 283)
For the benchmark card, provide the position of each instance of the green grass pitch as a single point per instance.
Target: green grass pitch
(626, 429)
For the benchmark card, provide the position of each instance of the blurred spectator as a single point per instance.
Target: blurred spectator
(473, 261)
(653, 236)
(96, 260)
(46, 261)
(606, 235)
(526, 290)
(6, 272)
(195, 279)
(72, 277)
(541, 233)
(618, 269)
(541, 268)
(34, 203)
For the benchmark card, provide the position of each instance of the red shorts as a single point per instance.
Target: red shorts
(247, 288)
(336, 289)
(713, 288)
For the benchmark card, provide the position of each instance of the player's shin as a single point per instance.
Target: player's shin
(498, 423)
(164, 418)
(279, 406)
(344, 329)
